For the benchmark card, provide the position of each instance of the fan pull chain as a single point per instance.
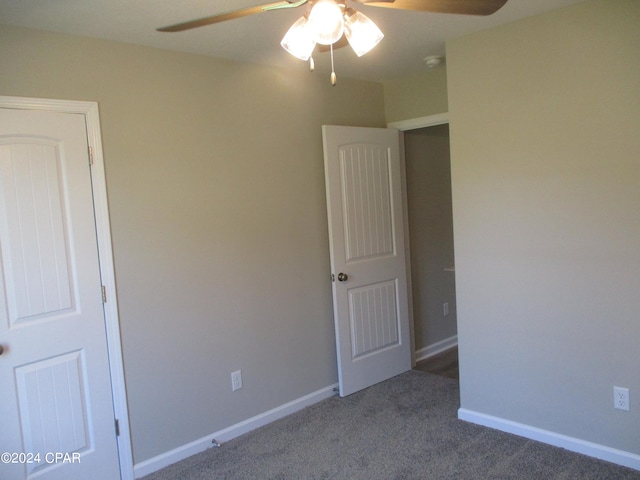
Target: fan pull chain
(333, 73)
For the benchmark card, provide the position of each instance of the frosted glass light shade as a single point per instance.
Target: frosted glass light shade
(298, 40)
(326, 23)
(361, 32)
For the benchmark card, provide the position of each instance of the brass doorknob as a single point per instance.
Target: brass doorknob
(343, 277)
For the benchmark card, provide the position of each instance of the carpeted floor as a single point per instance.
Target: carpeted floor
(404, 428)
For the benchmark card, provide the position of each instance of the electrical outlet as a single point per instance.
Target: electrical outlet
(445, 309)
(621, 398)
(236, 380)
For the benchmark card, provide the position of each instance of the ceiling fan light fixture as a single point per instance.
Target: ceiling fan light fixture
(298, 40)
(361, 32)
(326, 22)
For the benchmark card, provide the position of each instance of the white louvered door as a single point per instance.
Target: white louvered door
(56, 407)
(366, 234)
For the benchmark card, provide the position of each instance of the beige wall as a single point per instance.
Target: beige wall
(216, 193)
(545, 115)
(415, 96)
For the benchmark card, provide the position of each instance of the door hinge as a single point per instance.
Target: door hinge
(104, 294)
(117, 427)
(90, 156)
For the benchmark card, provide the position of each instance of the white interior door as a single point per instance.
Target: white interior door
(56, 406)
(366, 234)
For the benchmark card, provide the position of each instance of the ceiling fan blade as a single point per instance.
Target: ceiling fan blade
(464, 7)
(222, 17)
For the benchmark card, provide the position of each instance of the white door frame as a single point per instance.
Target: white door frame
(420, 122)
(103, 231)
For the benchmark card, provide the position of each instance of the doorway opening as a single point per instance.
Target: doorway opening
(429, 203)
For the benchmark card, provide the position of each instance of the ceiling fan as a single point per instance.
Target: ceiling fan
(326, 21)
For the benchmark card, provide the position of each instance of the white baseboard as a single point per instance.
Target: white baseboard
(619, 457)
(436, 348)
(165, 459)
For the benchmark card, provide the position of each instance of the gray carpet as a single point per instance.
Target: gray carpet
(404, 428)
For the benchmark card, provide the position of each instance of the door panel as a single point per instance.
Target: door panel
(57, 406)
(63, 425)
(35, 245)
(366, 232)
(373, 318)
(367, 203)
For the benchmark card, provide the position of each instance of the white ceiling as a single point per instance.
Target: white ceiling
(409, 36)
